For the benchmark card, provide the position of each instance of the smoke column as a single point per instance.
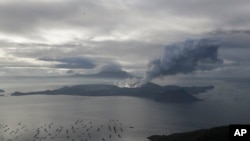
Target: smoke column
(184, 57)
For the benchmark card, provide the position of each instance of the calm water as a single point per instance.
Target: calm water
(133, 118)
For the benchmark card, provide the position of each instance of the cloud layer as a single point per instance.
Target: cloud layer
(82, 35)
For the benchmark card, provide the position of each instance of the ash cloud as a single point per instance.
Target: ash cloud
(184, 57)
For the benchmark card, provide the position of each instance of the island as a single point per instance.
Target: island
(212, 134)
(170, 93)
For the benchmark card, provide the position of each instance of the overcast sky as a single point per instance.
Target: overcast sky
(55, 37)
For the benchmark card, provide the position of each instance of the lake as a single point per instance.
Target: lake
(118, 118)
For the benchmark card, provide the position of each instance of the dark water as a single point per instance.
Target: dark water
(133, 118)
(147, 117)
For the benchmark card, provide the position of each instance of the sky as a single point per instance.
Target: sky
(63, 37)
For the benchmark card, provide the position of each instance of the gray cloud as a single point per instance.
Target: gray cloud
(111, 67)
(73, 62)
(184, 57)
(127, 33)
(222, 13)
(235, 45)
(32, 17)
(19, 17)
(229, 32)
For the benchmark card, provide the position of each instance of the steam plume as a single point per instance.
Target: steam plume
(184, 57)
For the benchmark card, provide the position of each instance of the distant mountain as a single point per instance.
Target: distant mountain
(213, 134)
(150, 91)
(107, 74)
